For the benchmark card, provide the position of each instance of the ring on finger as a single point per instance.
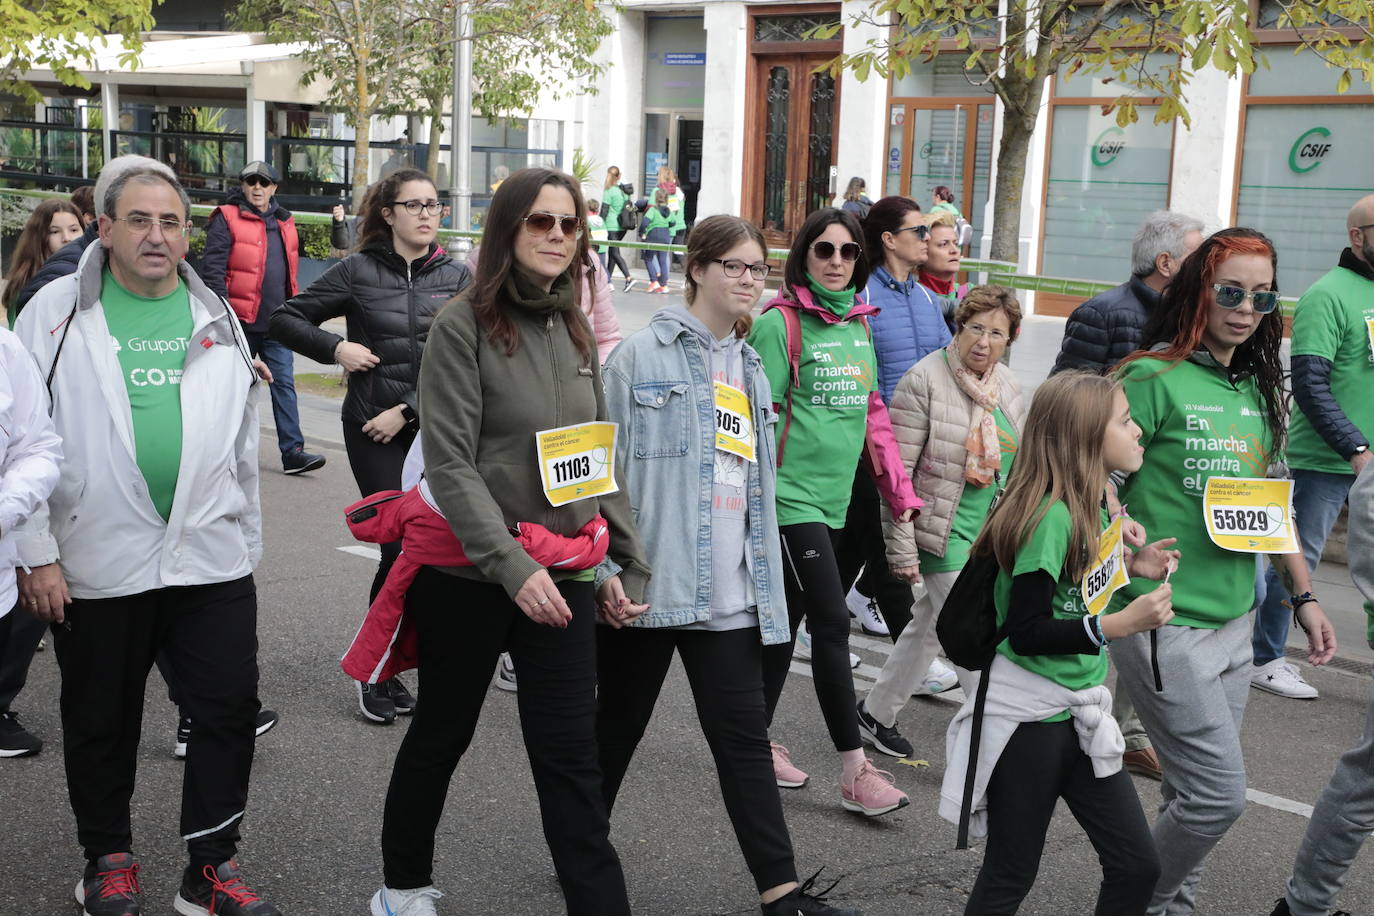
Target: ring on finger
(542, 603)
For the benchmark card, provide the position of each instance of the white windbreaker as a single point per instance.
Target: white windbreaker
(30, 453)
(100, 522)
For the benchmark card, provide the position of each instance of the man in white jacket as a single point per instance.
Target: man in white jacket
(150, 538)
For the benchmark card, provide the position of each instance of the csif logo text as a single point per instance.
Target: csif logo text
(1108, 145)
(1309, 150)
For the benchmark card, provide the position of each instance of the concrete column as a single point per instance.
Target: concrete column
(723, 127)
(256, 124)
(109, 108)
(1203, 183)
(863, 110)
(614, 132)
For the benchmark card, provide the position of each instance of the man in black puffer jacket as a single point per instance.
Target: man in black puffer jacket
(1106, 329)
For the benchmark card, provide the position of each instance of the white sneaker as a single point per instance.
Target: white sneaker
(505, 674)
(865, 610)
(801, 650)
(418, 901)
(1279, 677)
(939, 678)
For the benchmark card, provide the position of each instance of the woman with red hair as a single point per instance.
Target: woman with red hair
(1207, 392)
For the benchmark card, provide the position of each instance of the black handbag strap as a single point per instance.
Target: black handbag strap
(975, 741)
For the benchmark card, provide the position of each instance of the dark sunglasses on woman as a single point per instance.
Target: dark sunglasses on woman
(540, 222)
(849, 251)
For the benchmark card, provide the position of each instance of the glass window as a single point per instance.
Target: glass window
(1104, 84)
(1271, 16)
(1301, 170)
(790, 28)
(674, 62)
(1293, 74)
(944, 76)
(896, 121)
(1104, 180)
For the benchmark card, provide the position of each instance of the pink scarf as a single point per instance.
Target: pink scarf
(984, 450)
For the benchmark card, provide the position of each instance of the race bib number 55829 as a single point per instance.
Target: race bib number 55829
(577, 462)
(1250, 515)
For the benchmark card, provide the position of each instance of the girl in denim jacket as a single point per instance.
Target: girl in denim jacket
(693, 402)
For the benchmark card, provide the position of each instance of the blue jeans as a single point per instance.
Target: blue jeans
(657, 263)
(281, 361)
(1317, 500)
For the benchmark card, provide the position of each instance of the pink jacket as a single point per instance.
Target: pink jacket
(596, 304)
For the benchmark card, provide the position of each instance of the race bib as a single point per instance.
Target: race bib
(1369, 329)
(734, 423)
(1108, 570)
(1250, 515)
(577, 462)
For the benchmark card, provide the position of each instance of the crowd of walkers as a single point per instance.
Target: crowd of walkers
(711, 487)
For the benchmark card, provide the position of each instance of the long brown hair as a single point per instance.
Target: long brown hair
(709, 239)
(505, 218)
(372, 225)
(611, 179)
(31, 249)
(1059, 457)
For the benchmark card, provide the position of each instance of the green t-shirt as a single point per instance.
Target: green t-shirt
(1333, 322)
(614, 199)
(829, 412)
(973, 508)
(1194, 425)
(1046, 549)
(150, 337)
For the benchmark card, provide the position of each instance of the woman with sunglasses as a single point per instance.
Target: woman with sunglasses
(1208, 396)
(510, 383)
(818, 355)
(389, 290)
(693, 405)
(940, 272)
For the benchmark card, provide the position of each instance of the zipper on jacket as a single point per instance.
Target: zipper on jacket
(410, 309)
(551, 513)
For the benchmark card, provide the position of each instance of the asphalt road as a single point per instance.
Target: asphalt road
(311, 836)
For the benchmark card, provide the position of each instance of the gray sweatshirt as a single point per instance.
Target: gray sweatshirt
(1360, 540)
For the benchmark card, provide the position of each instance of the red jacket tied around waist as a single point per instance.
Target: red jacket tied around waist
(385, 643)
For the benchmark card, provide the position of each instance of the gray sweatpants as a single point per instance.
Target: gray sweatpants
(1342, 820)
(1195, 725)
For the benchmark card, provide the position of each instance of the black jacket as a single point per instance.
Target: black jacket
(389, 306)
(63, 262)
(1312, 387)
(1107, 328)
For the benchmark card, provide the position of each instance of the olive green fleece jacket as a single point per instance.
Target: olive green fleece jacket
(480, 410)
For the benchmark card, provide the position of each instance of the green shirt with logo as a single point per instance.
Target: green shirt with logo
(974, 505)
(1195, 424)
(150, 337)
(829, 412)
(1333, 321)
(1046, 550)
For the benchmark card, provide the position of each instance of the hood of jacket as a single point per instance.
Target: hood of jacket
(803, 301)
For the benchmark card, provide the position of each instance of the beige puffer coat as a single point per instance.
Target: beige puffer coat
(930, 419)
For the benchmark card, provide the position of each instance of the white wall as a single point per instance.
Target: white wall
(863, 111)
(722, 129)
(1204, 177)
(613, 118)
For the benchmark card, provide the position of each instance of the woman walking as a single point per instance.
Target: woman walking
(818, 355)
(516, 431)
(1208, 395)
(613, 197)
(855, 199)
(940, 273)
(389, 291)
(657, 228)
(717, 605)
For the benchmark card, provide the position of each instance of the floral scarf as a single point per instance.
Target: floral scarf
(984, 450)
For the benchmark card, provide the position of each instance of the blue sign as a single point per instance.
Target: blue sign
(684, 59)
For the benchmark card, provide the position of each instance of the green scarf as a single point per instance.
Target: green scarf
(837, 303)
(522, 290)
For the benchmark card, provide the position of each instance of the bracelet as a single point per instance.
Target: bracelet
(1097, 625)
(1121, 513)
(1298, 601)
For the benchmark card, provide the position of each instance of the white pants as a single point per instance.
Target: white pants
(916, 648)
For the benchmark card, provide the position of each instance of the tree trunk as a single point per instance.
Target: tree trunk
(362, 139)
(1022, 95)
(436, 136)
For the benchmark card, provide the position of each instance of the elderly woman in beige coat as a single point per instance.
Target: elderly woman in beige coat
(957, 417)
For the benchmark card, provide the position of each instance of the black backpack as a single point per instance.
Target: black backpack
(629, 215)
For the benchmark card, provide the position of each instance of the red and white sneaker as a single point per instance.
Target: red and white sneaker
(220, 892)
(872, 792)
(110, 887)
(786, 774)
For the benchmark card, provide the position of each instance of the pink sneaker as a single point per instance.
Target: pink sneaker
(787, 775)
(872, 792)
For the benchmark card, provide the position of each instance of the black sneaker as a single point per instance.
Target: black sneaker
(298, 461)
(109, 887)
(376, 703)
(220, 891)
(629, 282)
(183, 737)
(15, 740)
(401, 698)
(1281, 909)
(800, 901)
(266, 721)
(884, 738)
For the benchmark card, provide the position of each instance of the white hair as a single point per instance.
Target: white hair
(1162, 232)
(109, 184)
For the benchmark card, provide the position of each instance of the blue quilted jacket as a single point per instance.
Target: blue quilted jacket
(908, 326)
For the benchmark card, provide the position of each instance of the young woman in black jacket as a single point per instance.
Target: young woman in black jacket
(389, 290)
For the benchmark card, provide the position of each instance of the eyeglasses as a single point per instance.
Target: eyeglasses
(993, 335)
(921, 229)
(1230, 297)
(259, 181)
(413, 207)
(849, 251)
(735, 269)
(141, 225)
(541, 223)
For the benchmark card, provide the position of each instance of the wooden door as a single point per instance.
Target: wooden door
(794, 127)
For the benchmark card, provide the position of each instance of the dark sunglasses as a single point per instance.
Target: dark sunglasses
(540, 223)
(849, 251)
(259, 181)
(921, 229)
(1230, 297)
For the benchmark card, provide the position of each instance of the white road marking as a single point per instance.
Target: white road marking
(1278, 803)
(358, 550)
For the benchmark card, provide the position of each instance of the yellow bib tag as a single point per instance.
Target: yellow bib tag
(1369, 328)
(1108, 570)
(734, 423)
(577, 462)
(1250, 515)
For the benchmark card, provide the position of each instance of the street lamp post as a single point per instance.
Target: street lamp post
(460, 169)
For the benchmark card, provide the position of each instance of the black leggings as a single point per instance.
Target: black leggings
(861, 546)
(377, 466)
(462, 626)
(814, 592)
(614, 256)
(725, 672)
(1042, 763)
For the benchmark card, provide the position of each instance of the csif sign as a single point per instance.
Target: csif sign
(1108, 145)
(1309, 150)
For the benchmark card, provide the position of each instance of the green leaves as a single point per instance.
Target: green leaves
(60, 35)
